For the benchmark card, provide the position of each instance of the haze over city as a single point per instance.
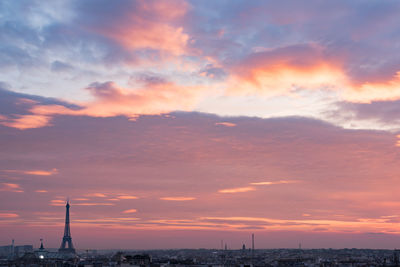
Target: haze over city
(178, 124)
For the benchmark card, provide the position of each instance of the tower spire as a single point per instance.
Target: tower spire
(66, 244)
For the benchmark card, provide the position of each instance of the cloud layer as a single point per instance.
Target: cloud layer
(151, 57)
(265, 175)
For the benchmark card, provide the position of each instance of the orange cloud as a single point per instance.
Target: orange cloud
(96, 195)
(112, 100)
(177, 198)
(367, 91)
(57, 202)
(42, 173)
(41, 191)
(10, 187)
(35, 172)
(252, 188)
(23, 122)
(273, 183)
(227, 124)
(127, 197)
(285, 70)
(130, 211)
(237, 190)
(94, 204)
(398, 141)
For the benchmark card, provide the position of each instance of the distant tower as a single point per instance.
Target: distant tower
(67, 235)
(12, 249)
(252, 242)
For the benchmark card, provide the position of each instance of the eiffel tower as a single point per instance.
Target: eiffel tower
(67, 240)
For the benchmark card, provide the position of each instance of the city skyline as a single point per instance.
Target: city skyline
(178, 124)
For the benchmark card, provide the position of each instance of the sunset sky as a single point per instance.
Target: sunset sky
(178, 124)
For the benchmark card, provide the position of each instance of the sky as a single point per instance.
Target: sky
(178, 124)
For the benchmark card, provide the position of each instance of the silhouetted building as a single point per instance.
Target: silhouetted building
(41, 253)
(12, 251)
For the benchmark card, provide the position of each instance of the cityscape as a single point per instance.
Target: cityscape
(224, 133)
(67, 255)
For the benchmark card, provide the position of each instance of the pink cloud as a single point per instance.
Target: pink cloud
(41, 191)
(112, 100)
(35, 172)
(137, 29)
(94, 204)
(11, 187)
(130, 211)
(8, 215)
(284, 70)
(227, 124)
(127, 197)
(23, 122)
(41, 172)
(96, 195)
(237, 190)
(57, 202)
(177, 198)
(340, 171)
(274, 182)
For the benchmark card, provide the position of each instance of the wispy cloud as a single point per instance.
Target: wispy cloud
(177, 198)
(130, 211)
(10, 187)
(94, 204)
(8, 215)
(41, 191)
(274, 182)
(41, 172)
(57, 202)
(96, 195)
(34, 172)
(354, 225)
(252, 188)
(237, 190)
(127, 197)
(227, 124)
